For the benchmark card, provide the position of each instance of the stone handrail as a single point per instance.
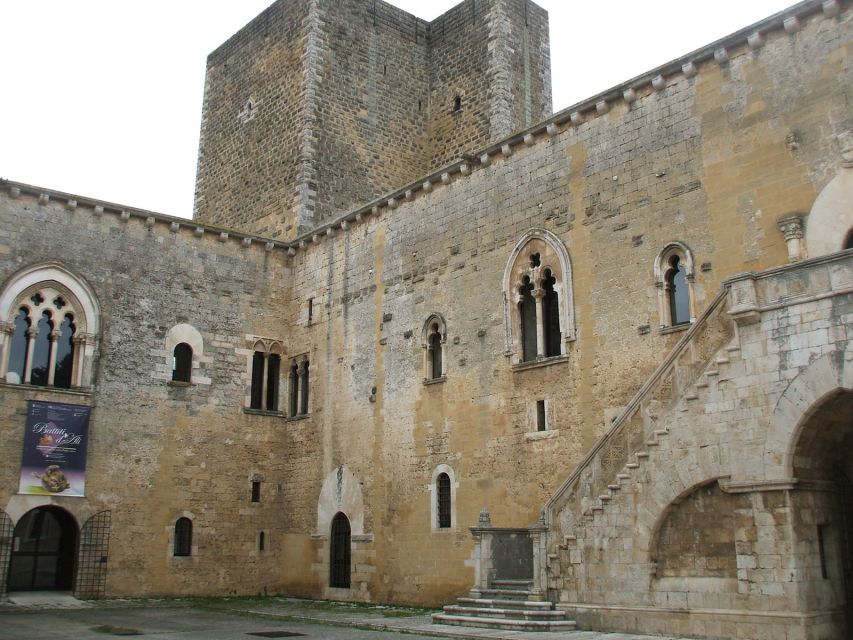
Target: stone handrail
(636, 424)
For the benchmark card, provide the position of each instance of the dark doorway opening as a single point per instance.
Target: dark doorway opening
(823, 457)
(339, 574)
(44, 546)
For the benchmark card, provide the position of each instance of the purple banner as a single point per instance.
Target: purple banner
(54, 460)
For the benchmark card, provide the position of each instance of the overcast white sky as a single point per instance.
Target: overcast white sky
(102, 98)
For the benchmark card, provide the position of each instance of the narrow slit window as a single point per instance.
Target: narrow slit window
(261, 541)
(821, 548)
(541, 417)
(256, 491)
(457, 103)
(273, 368)
(303, 391)
(293, 382)
(443, 496)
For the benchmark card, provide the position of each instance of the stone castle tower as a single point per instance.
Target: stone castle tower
(315, 106)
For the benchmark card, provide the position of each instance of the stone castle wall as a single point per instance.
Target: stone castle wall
(710, 153)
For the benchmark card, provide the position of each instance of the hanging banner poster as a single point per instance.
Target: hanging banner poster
(54, 460)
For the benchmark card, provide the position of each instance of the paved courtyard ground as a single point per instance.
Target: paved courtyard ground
(239, 618)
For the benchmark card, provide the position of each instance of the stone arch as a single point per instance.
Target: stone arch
(434, 339)
(828, 374)
(709, 550)
(830, 220)
(662, 267)
(433, 496)
(79, 299)
(555, 258)
(341, 492)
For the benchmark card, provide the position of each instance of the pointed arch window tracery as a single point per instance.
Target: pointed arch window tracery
(538, 299)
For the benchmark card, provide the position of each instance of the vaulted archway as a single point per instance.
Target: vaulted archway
(43, 551)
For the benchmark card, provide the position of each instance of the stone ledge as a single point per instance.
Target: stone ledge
(86, 393)
(542, 362)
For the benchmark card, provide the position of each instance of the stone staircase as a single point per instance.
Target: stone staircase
(508, 605)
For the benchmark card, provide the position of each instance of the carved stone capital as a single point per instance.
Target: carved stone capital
(791, 227)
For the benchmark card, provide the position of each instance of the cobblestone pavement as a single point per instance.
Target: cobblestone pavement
(243, 618)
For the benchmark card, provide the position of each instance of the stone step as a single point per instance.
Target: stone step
(642, 454)
(500, 623)
(509, 614)
(632, 465)
(614, 487)
(506, 594)
(661, 432)
(506, 604)
(623, 476)
(512, 584)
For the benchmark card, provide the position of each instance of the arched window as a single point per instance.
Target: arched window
(442, 486)
(339, 565)
(538, 303)
(183, 543)
(303, 388)
(673, 271)
(299, 382)
(434, 339)
(182, 362)
(443, 498)
(46, 315)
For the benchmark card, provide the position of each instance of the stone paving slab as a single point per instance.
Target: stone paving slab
(36, 619)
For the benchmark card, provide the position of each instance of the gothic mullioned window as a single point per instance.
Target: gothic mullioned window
(265, 372)
(538, 300)
(47, 316)
(673, 272)
(434, 340)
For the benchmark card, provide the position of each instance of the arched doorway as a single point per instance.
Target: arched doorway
(44, 546)
(339, 556)
(823, 466)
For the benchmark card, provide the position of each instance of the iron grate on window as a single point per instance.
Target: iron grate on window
(6, 533)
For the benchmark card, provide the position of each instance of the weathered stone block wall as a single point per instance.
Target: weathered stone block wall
(371, 103)
(252, 143)
(159, 451)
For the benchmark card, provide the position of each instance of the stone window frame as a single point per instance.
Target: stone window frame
(434, 320)
(189, 335)
(554, 257)
(433, 498)
(661, 271)
(268, 347)
(55, 280)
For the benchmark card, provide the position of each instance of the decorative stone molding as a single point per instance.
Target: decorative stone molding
(576, 117)
(792, 228)
(629, 95)
(125, 215)
(755, 40)
(484, 159)
(506, 150)
(658, 83)
(427, 186)
(845, 145)
(223, 236)
(529, 139)
(602, 107)
(792, 24)
(689, 69)
(831, 8)
(744, 301)
(721, 56)
(552, 129)
(149, 221)
(175, 227)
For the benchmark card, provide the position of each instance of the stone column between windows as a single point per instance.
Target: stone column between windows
(32, 332)
(7, 329)
(663, 305)
(51, 361)
(78, 343)
(301, 409)
(690, 278)
(539, 297)
(265, 381)
(428, 372)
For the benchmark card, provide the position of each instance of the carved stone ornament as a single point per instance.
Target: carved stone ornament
(845, 144)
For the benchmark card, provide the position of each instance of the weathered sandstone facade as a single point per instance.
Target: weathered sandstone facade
(678, 449)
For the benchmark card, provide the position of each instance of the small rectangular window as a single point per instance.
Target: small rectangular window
(256, 491)
(261, 541)
(541, 424)
(821, 548)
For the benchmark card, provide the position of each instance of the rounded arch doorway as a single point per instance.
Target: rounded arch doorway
(44, 547)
